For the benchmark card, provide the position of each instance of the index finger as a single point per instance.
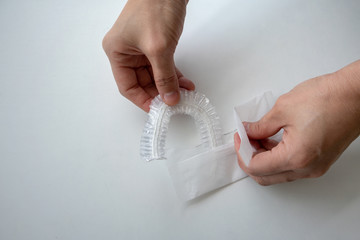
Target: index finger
(270, 162)
(264, 162)
(129, 87)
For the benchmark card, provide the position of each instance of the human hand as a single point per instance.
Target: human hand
(320, 118)
(141, 46)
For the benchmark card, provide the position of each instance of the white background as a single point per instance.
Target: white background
(69, 143)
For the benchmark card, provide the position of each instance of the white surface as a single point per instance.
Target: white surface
(69, 143)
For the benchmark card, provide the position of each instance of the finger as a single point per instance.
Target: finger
(237, 142)
(184, 82)
(143, 76)
(268, 143)
(287, 176)
(129, 87)
(165, 78)
(264, 162)
(265, 127)
(187, 84)
(270, 162)
(255, 144)
(144, 79)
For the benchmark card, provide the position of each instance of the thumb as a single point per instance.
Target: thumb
(165, 78)
(266, 127)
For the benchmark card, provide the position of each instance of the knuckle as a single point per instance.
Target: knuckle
(318, 173)
(121, 91)
(257, 126)
(281, 103)
(254, 127)
(106, 43)
(283, 99)
(308, 156)
(111, 44)
(302, 163)
(262, 181)
(158, 46)
(250, 171)
(127, 91)
(163, 82)
(290, 179)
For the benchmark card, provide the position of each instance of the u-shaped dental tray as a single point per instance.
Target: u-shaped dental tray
(152, 144)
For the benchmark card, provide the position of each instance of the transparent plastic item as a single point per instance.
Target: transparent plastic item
(195, 104)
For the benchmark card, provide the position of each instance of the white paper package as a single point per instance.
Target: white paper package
(203, 169)
(205, 172)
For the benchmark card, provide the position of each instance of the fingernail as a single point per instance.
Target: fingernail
(237, 141)
(171, 98)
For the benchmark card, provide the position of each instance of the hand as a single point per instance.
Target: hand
(320, 118)
(141, 46)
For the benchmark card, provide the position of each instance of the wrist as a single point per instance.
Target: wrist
(349, 78)
(348, 81)
(353, 75)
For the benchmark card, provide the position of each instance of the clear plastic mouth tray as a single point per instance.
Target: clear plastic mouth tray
(152, 145)
(199, 170)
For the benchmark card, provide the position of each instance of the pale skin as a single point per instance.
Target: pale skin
(141, 46)
(320, 117)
